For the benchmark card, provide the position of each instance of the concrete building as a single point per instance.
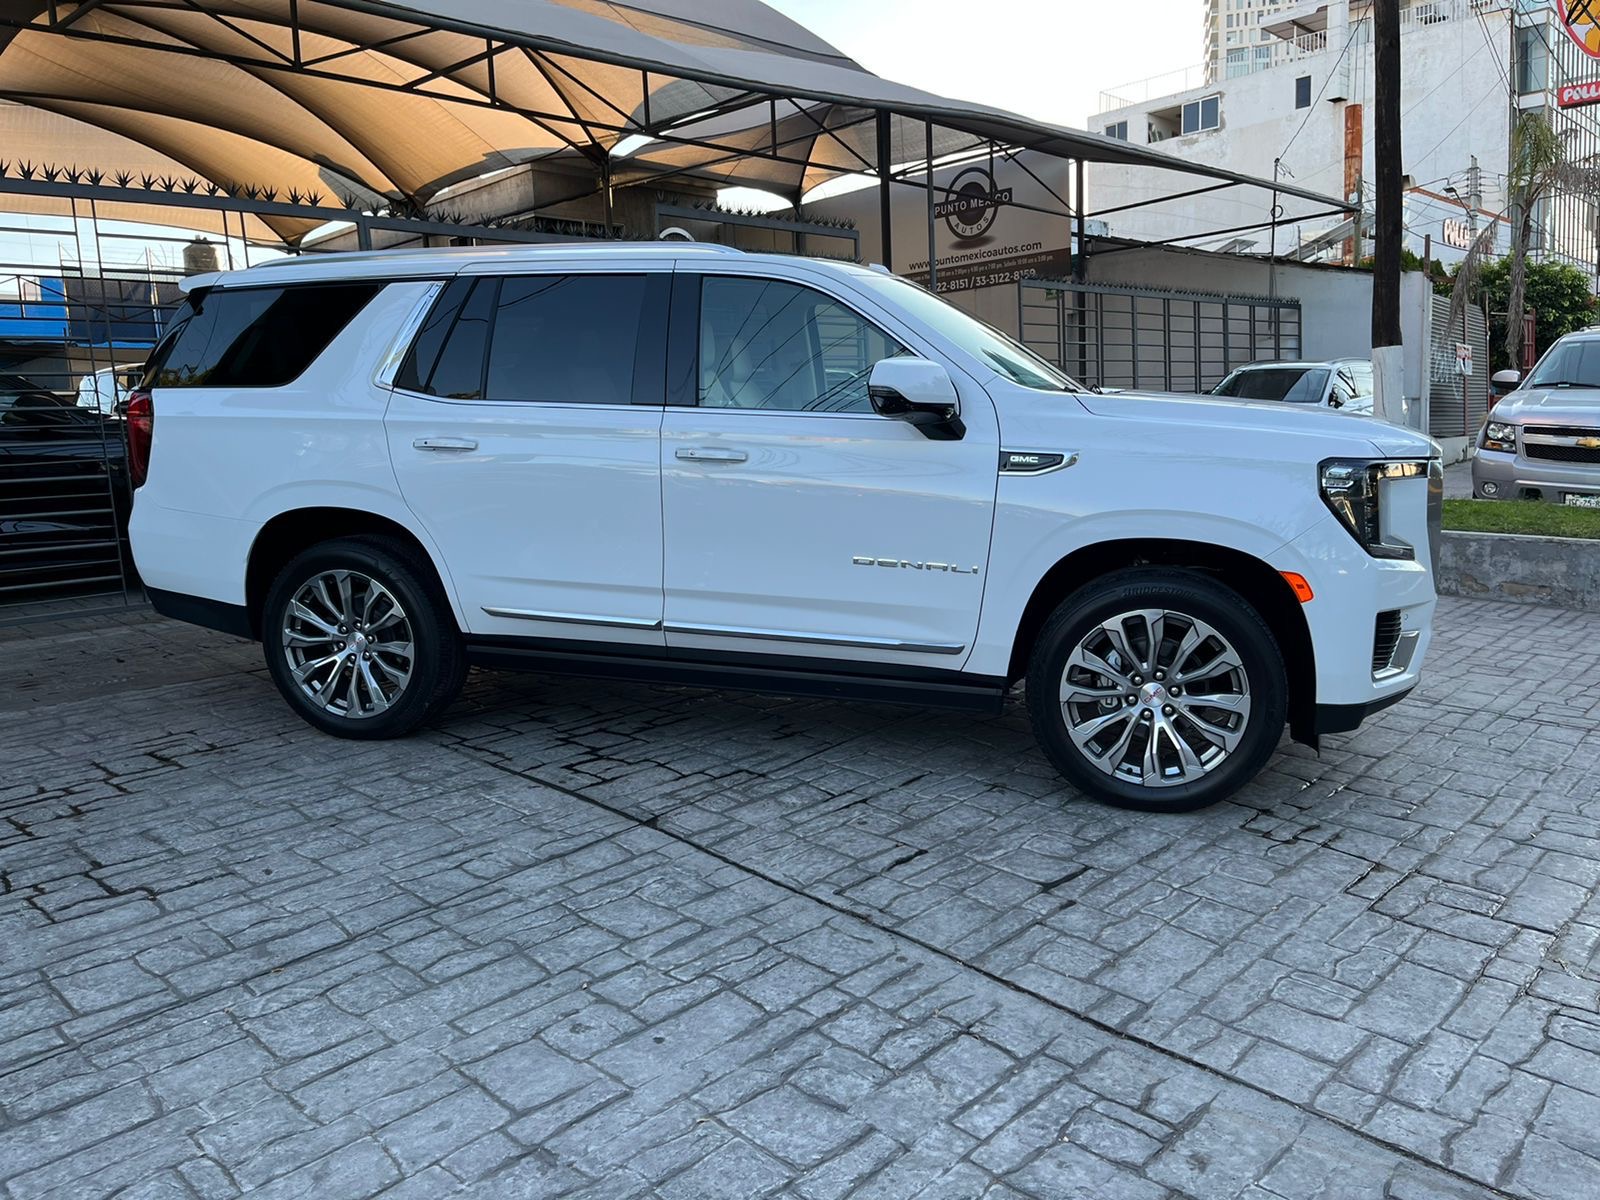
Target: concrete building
(1235, 40)
(1301, 112)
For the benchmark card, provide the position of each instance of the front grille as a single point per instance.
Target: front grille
(1385, 637)
(1555, 443)
(1565, 454)
(1572, 431)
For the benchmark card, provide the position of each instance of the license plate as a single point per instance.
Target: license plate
(1577, 500)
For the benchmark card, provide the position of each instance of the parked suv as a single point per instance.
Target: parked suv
(688, 464)
(1542, 441)
(1343, 383)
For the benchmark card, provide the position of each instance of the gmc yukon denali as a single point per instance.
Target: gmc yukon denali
(683, 463)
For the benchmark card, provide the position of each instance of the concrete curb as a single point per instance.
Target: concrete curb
(1564, 572)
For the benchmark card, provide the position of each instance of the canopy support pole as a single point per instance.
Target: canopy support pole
(933, 254)
(1080, 262)
(886, 249)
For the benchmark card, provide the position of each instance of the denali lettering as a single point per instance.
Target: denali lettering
(863, 561)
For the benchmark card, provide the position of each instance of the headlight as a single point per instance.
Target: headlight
(1353, 489)
(1500, 435)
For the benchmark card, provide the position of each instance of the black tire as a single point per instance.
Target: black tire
(1188, 594)
(438, 662)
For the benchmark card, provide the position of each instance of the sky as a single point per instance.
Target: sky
(1048, 59)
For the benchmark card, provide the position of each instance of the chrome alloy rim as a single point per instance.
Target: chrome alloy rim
(1155, 698)
(348, 644)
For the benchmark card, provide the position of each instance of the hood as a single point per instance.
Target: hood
(1363, 434)
(1560, 406)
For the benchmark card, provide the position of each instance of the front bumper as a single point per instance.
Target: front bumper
(1346, 718)
(1513, 477)
(1353, 591)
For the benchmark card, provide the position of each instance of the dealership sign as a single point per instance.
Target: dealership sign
(1575, 95)
(1581, 20)
(974, 203)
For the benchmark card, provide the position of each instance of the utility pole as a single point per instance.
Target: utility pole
(1387, 363)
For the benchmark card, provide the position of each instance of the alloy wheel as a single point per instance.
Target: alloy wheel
(1155, 698)
(348, 642)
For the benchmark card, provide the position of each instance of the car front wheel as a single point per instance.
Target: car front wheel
(1157, 689)
(360, 639)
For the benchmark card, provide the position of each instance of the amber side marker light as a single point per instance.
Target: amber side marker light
(1302, 589)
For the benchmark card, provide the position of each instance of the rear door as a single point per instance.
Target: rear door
(524, 431)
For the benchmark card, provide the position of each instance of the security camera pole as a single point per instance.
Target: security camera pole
(1387, 365)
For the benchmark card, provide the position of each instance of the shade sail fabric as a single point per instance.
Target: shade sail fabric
(396, 102)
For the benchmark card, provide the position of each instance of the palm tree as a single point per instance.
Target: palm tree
(1538, 162)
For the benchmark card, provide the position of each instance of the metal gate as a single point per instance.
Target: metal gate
(78, 318)
(71, 342)
(1456, 402)
(1126, 337)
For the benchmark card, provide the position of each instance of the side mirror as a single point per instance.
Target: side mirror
(1335, 400)
(919, 392)
(1506, 381)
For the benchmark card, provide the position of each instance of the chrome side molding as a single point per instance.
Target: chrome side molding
(565, 618)
(817, 639)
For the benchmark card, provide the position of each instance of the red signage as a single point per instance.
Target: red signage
(1575, 95)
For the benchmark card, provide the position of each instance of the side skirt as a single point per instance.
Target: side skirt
(746, 672)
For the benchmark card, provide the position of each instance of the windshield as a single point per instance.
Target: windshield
(984, 342)
(1569, 364)
(1294, 385)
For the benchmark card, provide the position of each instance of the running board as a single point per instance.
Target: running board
(748, 673)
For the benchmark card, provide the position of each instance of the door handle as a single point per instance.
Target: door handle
(444, 443)
(711, 454)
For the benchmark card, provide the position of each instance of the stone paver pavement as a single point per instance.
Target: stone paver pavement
(594, 939)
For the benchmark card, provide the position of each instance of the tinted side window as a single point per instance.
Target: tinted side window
(768, 344)
(163, 348)
(421, 358)
(458, 375)
(258, 337)
(566, 338)
(1361, 377)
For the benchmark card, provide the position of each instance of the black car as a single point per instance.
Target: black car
(64, 496)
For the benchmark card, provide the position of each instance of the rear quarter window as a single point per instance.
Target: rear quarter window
(255, 337)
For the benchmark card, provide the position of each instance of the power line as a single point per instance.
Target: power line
(1350, 41)
(1411, 108)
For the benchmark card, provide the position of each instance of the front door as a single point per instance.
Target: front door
(798, 522)
(524, 429)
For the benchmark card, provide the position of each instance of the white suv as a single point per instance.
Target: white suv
(688, 464)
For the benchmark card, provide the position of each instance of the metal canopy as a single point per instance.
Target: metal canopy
(375, 103)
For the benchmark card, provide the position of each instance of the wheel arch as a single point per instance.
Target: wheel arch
(297, 529)
(1260, 584)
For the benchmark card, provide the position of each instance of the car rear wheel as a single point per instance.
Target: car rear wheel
(360, 639)
(1157, 689)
